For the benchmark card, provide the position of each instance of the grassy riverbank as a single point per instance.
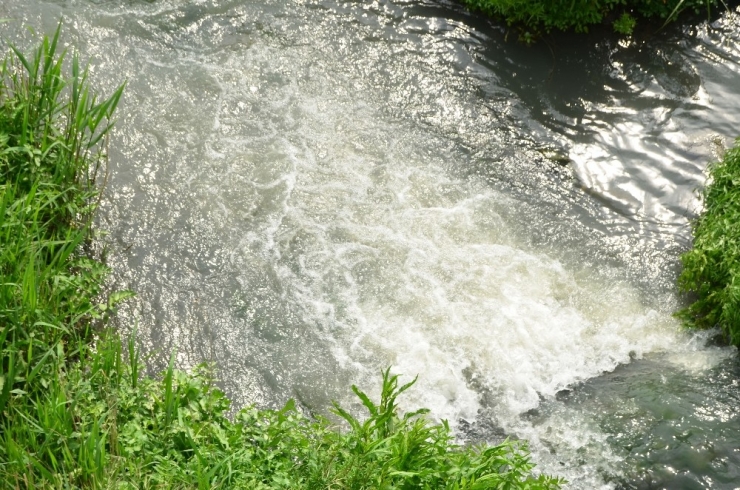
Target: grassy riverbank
(76, 410)
(537, 16)
(711, 269)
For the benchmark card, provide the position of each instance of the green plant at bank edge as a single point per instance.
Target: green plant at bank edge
(49, 162)
(533, 17)
(76, 410)
(711, 269)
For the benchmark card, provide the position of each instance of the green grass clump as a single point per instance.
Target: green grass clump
(138, 432)
(52, 133)
(75, 409)
(536, 16)
(711, 269)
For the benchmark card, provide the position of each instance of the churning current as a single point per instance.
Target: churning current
(305, 192)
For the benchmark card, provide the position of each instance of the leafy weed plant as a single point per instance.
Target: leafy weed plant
(174, 433)
(711, 269)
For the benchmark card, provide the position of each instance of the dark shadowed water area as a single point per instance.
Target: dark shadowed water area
(305, 192)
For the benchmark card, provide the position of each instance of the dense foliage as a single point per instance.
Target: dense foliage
(711, 269)
(76, 410)
(49, 161)
(534, 16)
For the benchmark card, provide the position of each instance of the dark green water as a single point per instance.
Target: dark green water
(304, 192)
(673, 430)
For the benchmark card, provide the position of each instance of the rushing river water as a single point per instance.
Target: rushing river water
(305, 192)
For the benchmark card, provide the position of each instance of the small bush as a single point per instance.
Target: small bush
(711, 269)
(625, 24)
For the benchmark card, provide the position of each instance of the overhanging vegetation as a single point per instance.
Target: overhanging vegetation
(536, 16)
(711, 269)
